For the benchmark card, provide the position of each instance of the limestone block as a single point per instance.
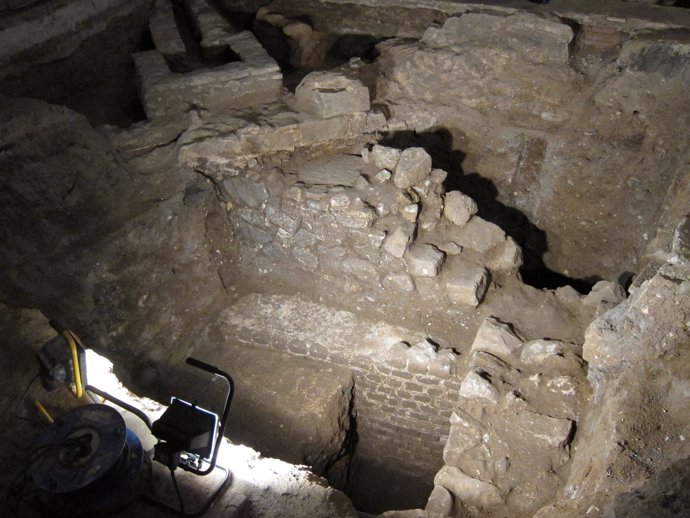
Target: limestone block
(506, 257)
(254, 234)
(603, 296)
(496, 338)
(459, 208)
(327, 94)
(327, 229)
(295, 193)
(450, 248)
(538, 351)
(277, 217)
(529, 37)
(419, 356)
(440, 501)
(246, 192)
(320, 130)
(331, 258)
(465, 433)
(396, 356)
(398, 282)
(470, 491)
(303, 238)
(478, 234)
(164, 32)
(553, 431)
(360, 268)
(475, 386)
(441, 366)
(340, 201)
(338, 170)
(410, 212)
(398, 242)
(251, 216)
(465, 283)
(438, 176)
(305, 258)
(382, 176)
(413, 167)
(385, 157)
(424, 260)
(361, 183)
(358, 218)
(370, 237)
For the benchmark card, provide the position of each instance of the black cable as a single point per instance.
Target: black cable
(21, 401)
(164, 505)
(177, 490)
(16, 492)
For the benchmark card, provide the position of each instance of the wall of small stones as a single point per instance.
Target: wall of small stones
(378, 221)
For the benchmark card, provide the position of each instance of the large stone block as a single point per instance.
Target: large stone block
(440, 502)
(532, 38)
(413, 167)
(385, 157)
(459, 208)
(358, 218)
(424, 260)
(554, 432)
(164, 32)
(466, 283)
(399, 241)
(475, 386)
(328, 94)
(470, 491)
(496, 338)
(478, 234)
(245, 191)
(465, 434)
(506, 257)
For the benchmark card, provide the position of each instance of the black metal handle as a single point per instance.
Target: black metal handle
(223, 420)
(58, 324)
(203, 366)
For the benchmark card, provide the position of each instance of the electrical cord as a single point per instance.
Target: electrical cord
(16, 494)
(177, 490)
(22, 398)
(195, 514)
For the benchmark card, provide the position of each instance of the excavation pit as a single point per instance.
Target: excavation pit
(444, 265)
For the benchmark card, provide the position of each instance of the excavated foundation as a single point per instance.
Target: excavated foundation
(441, 248)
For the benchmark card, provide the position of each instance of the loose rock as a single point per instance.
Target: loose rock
(424, 260)
(385, 157)
(470, 491)
(459, 208)
(413, 167)
(328, 94)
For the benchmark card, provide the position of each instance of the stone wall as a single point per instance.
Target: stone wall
(388, 228)
(254, 80)
(510, 434)
(543, 115)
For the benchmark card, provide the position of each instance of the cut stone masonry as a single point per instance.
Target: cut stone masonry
(255, 80)
(334, 217)
(498, 435)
